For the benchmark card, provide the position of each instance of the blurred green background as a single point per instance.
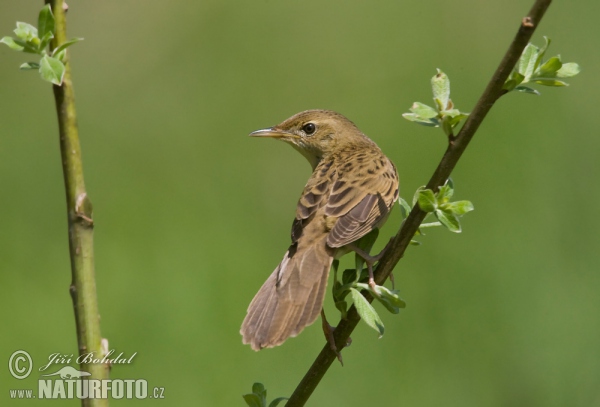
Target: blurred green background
(192, 215)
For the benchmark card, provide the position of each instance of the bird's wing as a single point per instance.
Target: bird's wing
(313, 196)
(361, 198)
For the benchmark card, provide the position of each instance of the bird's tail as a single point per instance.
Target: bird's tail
(291, 298)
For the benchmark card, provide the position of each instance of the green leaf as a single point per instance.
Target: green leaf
(12, 44)
(367, 312)
(426, 200)
(258, 388)
(515, 79)
(416, 195)
(45, 22)
(388, 298)
(430, 225)
(448, 219)
(549, 68)
(342, 306)
(29, 65)
(445, 193)
(509, 85)
(527, 63)
(446, 126)
(278, 400)
(542, 51)
(413, 117)
(526, 89)
(27, 46)
(350, 276)
(549, 82)
(25, 31)
(65, 45)
(46, 40)
(423, 111)
(52, 70)
(415, 243)
(440, 85)
(252, 400)
(459, 207)
(404, 208)
(568, 70)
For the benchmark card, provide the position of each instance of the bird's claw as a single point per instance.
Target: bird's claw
(328, 331)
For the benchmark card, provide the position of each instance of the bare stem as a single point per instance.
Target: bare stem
(80, 221)
(402, 239)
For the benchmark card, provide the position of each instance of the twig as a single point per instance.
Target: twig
(80, 221)
(402, 239)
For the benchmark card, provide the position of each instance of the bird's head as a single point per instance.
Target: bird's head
(315, 133)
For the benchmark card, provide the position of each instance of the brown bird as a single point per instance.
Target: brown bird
(351, 192)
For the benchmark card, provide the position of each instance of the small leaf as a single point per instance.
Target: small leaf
(549, 82)
(446, 126)
(350, 276)
(449, 220)
(568, 70)
(25, 31)
(446, 192)
(29, 65)
(440, 85)
(278, 400)
(252, 400)
(416, 195)
(367, 312)
(528, 60)
(45, 22)
(404, 208)
(342, 306)
(526, 89)
(423, 111)
(459, 207)
(27, 46)
(46, 40)
(430, 225)
(542, 51)
(427, 201)
(549, 68)
(415, 243)
(65, 45)
(388, 298)
(413, 117)
(258, 388)
(52, 70)
(12, 44)
(509, 85)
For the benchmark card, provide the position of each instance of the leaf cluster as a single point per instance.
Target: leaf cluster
(532, 68)
(258, 397)
(32, 40)
(439, 204)
(444, 114)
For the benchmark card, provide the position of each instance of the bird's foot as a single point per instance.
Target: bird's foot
(328, 331)
(371, 260)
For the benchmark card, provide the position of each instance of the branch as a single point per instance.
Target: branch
(456, 147)
(79, 215)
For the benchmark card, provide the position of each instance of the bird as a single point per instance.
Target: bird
(351, 191)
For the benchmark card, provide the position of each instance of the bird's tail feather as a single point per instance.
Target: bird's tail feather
(291, 298)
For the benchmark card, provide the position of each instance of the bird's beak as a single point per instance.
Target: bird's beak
(272, 132)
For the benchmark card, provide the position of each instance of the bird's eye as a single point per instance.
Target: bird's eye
(309, 128)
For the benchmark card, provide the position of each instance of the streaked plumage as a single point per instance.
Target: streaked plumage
(351, 191)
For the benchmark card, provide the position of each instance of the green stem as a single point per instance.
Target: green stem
(80, 221)
(456, 147)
